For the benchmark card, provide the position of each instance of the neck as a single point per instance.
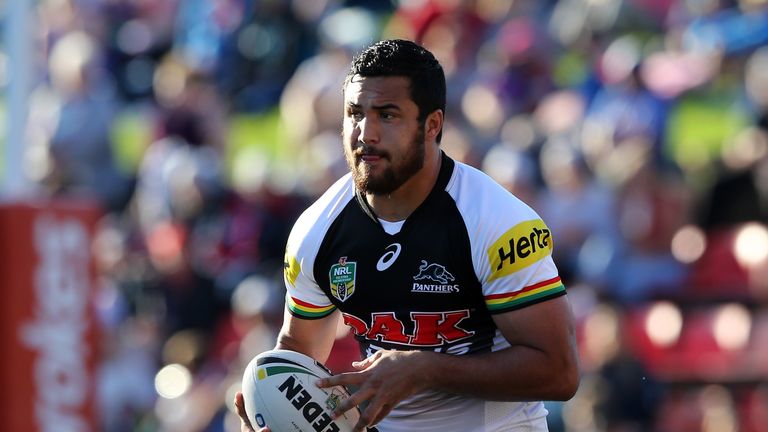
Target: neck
(399, 204)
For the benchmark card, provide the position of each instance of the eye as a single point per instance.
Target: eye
(355, 115)
(386, 115)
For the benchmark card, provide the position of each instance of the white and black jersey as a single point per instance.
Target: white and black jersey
(433, 282)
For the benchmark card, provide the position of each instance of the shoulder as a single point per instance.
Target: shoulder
(313, 223)
(506, 234)
(479, 197)
(303, 245)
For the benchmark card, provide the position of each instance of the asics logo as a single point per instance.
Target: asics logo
(389, 257)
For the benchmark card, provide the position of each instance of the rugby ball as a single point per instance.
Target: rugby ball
(279, 391)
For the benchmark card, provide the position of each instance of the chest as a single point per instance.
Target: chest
(426, 267)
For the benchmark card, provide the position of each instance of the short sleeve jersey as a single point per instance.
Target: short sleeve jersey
(469, 251)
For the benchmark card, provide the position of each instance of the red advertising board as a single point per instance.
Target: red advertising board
(47, 325)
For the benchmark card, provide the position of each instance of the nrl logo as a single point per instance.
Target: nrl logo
(342, 276)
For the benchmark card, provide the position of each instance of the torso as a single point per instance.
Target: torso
(431, 286)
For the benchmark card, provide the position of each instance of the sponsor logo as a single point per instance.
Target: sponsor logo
(310, 410)
(389, 257)
(342, 276)
(57, 333)
(429, 328)
(519, 247)
(291, 269)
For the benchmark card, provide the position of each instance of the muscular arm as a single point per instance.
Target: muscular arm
(540, 364)
(311, 337)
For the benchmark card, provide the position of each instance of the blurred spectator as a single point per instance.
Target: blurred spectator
(630, 396)
(137, 35)
(73, 120)
(126, 374)
(527, 76)
(738, 193)
(654, 204)
(514, 170)
(262, 43)
(623, 109)
(580, 212)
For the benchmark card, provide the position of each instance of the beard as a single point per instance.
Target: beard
(399, 170)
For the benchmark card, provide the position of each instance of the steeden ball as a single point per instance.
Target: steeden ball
(279, 391)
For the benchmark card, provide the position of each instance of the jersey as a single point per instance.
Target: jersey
(469, 251)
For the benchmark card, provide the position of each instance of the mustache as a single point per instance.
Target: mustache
(361, 149)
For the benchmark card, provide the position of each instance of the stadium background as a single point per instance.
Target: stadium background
(186, 136)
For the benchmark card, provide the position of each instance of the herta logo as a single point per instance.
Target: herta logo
(310, 410)
(519, 247)
(342, 276)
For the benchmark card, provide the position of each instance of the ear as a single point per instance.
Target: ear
(433, 125)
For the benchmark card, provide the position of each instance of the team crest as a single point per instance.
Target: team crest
(342, 277)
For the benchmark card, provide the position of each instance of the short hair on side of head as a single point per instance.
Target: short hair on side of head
(399, 57)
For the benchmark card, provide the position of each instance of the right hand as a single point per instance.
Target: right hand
(245, 424)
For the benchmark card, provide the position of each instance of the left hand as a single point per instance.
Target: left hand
(245, 424)
(383, 379)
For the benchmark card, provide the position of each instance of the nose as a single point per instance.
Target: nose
(368, 131)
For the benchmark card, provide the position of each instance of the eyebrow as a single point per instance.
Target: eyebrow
(389, 106)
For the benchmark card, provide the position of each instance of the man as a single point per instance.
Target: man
(445, 278)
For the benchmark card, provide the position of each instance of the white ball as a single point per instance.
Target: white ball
(279, 391)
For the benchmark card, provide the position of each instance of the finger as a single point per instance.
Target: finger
(378, 414)
(350, 378)
(240, 407)
(377, 409)
(364, 363)
(354, 400)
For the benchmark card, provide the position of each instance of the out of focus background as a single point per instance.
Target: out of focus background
(155, 154)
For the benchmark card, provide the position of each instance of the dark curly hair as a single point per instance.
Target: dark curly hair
(398, 57)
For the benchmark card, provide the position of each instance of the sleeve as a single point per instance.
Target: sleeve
(304, 298)
(520, 269)
(511, 245)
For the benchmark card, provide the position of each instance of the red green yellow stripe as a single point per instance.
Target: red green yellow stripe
(308, 310)
(547, 288)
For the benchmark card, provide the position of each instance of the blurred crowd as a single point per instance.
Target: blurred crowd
(638, 129)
